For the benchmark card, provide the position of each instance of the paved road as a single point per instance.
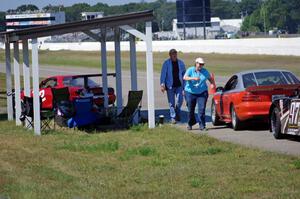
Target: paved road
(259, 138)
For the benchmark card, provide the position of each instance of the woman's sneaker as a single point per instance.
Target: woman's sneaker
(173, 121)
(189, 127)
(203, 129)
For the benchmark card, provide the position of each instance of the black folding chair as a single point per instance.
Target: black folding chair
(27, 114)
(63, 107)
(60, 94)
(133, 107)
(27, 111)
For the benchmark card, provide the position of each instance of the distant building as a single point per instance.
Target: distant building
(231, 25)
(217, 27)
(197, 31)
(165, 35)
(91, 15)
(33, 19)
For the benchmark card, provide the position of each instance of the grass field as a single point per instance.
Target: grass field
(2, 90)
(220, 64)
(139, 163)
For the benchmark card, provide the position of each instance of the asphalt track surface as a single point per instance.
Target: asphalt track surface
(257, 136)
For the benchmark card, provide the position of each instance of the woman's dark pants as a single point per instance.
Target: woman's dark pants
(200, 100)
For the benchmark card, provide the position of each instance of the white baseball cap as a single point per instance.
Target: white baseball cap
(199, 60)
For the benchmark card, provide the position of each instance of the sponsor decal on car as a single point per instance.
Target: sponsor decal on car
(294, 123)
(290, 116)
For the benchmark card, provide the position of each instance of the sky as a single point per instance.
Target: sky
(13, 4)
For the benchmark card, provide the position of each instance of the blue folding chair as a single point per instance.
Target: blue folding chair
(84, 114)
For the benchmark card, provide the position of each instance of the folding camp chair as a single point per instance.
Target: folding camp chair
(27, 114)
(85, 114)
(133, 107)
(62, 105)
(60, 94)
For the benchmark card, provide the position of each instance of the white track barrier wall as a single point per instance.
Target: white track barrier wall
(263, 46)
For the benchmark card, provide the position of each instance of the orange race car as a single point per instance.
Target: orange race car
(248, 95)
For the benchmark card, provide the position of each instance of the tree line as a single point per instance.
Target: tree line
(274, 14)
(259, 15)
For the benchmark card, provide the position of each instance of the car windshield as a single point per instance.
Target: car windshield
(270, 78)
(78, 82)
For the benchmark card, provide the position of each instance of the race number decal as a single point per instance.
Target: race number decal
(42, 95)
(294, 115)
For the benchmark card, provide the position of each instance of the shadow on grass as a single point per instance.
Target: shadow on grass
(167, 118)
(3, 116)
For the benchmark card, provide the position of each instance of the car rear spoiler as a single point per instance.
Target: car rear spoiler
(273, 88)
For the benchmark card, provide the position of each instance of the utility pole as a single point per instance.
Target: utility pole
(204, 19)
(265, 28)
(183, 18)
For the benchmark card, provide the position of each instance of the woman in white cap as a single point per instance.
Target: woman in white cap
(196, 92)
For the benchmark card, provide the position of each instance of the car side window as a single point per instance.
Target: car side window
(231, 84)
(249, 80)
(50, 83)
(77, 82)
(67, 81)
(291, 78)
(74, 81)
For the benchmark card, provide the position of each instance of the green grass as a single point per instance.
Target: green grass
(220, 64)
(2, 90)
(139, 163)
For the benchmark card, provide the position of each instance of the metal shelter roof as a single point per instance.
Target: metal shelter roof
(110, 21)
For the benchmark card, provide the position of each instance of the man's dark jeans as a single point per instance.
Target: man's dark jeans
(200, 100)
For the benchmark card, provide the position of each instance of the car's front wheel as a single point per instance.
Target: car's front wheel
(275, 123)
(235, 121)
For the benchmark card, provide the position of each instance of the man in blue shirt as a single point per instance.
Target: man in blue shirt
(196, 92)
(171, 80)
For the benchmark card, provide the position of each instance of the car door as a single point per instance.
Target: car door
(227, 96)
(46, 92)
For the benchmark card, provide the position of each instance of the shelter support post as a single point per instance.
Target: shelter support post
(133, 67)
(17, 83)
(150, 83)
(36, 96)
(26, 71)
(118, 70)
(26, 68)
(10, 114)
(104, 67)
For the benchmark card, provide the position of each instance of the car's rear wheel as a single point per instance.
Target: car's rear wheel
(214, 115)
(275, 123)
(235, 121)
